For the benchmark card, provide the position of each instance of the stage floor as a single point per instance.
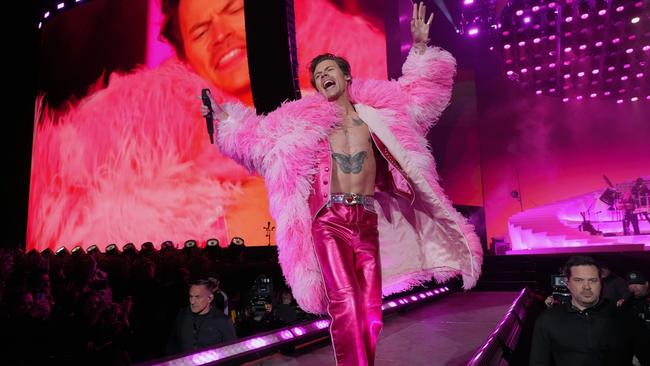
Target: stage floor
(444, 332)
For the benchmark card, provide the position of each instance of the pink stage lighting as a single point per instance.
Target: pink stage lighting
(619, 101)
(473, 31)
(468, 2)
(575, 46)
(60, 5)
(634, 99)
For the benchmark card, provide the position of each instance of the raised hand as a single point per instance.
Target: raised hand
(420, 27)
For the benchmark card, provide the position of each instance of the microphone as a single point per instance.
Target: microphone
(205, 97)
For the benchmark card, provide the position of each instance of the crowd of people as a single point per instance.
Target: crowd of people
(121, 307)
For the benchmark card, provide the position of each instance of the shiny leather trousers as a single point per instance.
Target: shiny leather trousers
(347, 248)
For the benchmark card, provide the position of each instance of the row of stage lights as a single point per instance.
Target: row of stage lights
(290, 335)
(585, 50)
(147, 246)
(48, 13)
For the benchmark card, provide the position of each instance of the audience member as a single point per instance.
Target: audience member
(588, 330)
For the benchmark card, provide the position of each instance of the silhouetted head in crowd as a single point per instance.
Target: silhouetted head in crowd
(89, 307)
(583, 280)
(22, 303)
(6, 263)
(637, 283)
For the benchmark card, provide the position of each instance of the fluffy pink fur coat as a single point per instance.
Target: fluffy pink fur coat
(427, 239)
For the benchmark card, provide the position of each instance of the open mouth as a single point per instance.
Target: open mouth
(230, 58)
(328, 84)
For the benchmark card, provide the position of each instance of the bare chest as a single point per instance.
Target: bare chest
(351, 138)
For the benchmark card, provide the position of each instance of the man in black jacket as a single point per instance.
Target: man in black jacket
(201, 324)
(588, 330)
(639, 301)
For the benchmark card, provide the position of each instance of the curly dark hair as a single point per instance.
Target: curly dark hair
(344, 65)
(170, 30)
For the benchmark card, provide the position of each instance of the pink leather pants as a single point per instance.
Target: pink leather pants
(346, 243)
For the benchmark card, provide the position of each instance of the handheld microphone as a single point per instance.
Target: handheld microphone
(205, 97)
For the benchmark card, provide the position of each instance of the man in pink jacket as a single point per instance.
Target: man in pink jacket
(350, 180)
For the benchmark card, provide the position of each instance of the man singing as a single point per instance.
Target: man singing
(351, 179)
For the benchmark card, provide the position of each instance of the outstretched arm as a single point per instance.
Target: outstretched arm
(239, 134)
(427, 74)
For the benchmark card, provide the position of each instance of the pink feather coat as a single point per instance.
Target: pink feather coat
(418, 241)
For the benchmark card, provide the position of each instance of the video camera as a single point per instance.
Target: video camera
(262, 298)
(560, 291)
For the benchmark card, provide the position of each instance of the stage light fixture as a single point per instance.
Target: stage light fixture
(92, 249)
(77, 249)
(111, 249)
(129, 248)
(237, 241)
(167, 245)
(62, 251)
